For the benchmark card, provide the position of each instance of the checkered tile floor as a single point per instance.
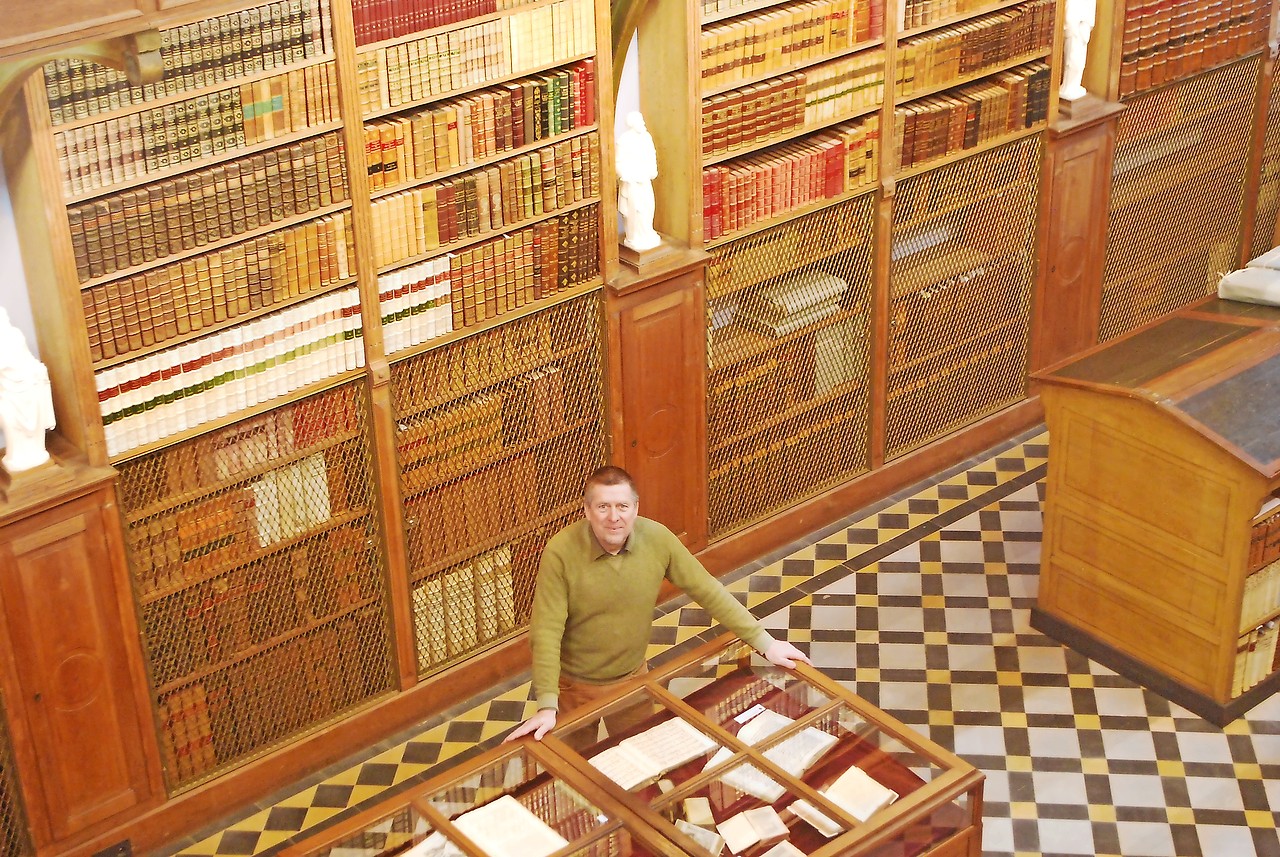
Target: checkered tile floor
(921, 605)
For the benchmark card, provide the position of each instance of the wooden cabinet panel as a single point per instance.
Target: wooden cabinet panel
(659, 439)
(73, 685)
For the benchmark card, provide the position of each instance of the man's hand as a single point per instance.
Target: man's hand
(539, 724)
(784, 654)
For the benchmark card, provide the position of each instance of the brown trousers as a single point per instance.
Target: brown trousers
(575, 695)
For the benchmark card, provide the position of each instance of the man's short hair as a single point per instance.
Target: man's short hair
(609, 475)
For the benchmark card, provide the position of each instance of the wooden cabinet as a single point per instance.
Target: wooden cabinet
(83, 740)
(657, 325)
(32, 25)
(1076, 189)
(1164, 452)
(732, 711)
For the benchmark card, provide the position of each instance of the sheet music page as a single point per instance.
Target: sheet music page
(797, 754)
(670, 744)
(505, 828)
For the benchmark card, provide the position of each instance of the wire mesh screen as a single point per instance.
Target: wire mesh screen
(1268, 203)
(496, 434)
(788, 367)
(960, 284)
(1176, 194)
(257, 564)
(14, 840)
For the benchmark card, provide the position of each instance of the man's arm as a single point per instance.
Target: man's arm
(686, 572)
(546, 630)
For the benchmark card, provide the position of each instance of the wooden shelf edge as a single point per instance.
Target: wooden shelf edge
(959, 18)
(934, 89)
(395, 41)
(960, 155)
(795, 214)
(790, 136)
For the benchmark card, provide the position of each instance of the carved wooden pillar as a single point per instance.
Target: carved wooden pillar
(1076, 189)
(657, 382)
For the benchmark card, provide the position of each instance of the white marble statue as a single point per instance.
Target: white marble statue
(1077, 26)
(637, 163)
(26, 400)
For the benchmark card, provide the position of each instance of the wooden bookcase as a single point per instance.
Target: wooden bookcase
(829, 352)
(1159, 536)
(327, 302)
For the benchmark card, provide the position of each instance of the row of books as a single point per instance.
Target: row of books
(1264, 538)
(801, 449)
(921, 13)
(462, 131)
(99, 156)
(457, 516)
(943, 55)
(753, 391)
(149, 309)
(198, 55)
(172, 391)
(1261, 595)
(231, 528)
(767, 185)
(525, 41)
(1169, 40)
(276, 694)
(504, 274)
(779, 107)
(415, 304)
(214, 618)
(781, 38)
(412, 222)
(1257, 657)
(135, 227)
(378, 20)
(489, 357)
(461, 437)
(464, 607)
(217, 459)
(971, 115)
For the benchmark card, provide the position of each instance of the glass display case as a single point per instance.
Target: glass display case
(715, 752)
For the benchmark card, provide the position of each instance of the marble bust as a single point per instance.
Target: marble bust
(26, 400)
(637, 163)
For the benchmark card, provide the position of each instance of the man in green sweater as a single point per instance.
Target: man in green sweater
(597, 586)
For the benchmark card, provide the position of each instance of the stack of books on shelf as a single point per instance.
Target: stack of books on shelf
(197, 55)
(101, 155)
(413, 222)
(456, 133)
(138, 312)
(782, 38)
(1261, 595)
(1166, 41)
(189, 211)
(379, 20)
(816, 96)
(464, 606)
(940, 56)
(767, 185)
(1256, 657)
(1264, 538)
(178, 389)
(968, 116)
(472, 56)
(415, 303)
(913, 14)
(796, 302)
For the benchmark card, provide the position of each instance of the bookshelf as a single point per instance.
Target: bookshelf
(1138, 46)
(1178, 185)
(273, 273)
(875, 143)
(14, 839)
(495, 434)
(1160, 522)
(1265, 217)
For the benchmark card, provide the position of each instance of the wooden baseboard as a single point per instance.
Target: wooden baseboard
(1217, 713)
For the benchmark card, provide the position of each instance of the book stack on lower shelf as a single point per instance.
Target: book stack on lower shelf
(258, 578)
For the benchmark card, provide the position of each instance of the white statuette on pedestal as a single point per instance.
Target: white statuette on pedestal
(26, 400)
(637, 164)
(1077, 27)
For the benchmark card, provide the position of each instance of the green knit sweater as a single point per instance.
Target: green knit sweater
(592, 611)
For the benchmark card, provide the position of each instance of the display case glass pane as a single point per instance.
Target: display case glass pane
(391, 834)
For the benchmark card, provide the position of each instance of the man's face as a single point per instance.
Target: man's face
(611, 510)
